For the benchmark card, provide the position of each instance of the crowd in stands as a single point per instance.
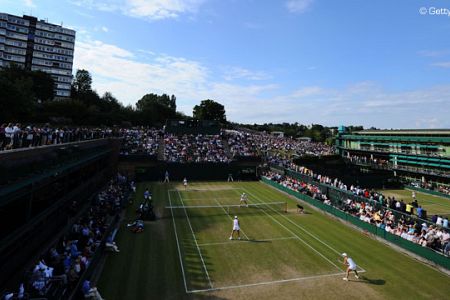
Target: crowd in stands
(16, 135)
(298, 186)
(140, 141)
(184, 148)
(412, 229)
(412, 208)
(194, 148)
(62, 266)
(438, 187)
(252, 144)
(376, 212)
(444, 189)
(242, 144)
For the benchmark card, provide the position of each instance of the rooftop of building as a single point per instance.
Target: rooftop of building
(413, 132)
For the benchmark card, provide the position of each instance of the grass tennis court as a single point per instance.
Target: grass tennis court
(186, 253)
(434, 205)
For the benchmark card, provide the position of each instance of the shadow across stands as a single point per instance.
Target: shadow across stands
(60, 271)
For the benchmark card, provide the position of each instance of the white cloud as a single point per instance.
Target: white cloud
(105, 29)
(233, 73)
(111, 5)
(434, 53)
(162, 9)
(307, 92)
(442, 64)
(115, 69)
(298, 6)
(118, 70)
(29, 3)
(148, 9)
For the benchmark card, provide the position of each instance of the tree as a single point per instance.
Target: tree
(110, 103)
(43, 85)
(155, 109)
(82, 82)
(17, 96)
(210, 110)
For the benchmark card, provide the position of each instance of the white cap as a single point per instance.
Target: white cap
(235, 217)
(344, 254)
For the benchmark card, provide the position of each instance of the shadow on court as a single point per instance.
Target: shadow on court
(364, 279)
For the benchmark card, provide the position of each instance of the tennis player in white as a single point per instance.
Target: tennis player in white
(236, 228)
(348, 261)
(244, 199)
(185, 183)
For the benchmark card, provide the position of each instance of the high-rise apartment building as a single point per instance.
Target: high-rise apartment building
(38, 45)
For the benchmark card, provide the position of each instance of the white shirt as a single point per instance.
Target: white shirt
(351, 263)
(9, 131)
(236, 223)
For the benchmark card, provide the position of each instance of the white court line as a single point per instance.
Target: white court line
(204, 199)
(218, 203)
(299, 238)
(202, 190)
(267, 282)
(249, 241)
(178, 244)
(195, 240)
(305, 230)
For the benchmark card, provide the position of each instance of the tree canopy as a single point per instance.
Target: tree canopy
(210, 110)
(21, 91)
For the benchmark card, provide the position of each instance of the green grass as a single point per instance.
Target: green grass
(434, 205)
(280, 246)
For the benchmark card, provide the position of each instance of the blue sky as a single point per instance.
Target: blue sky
(372, 63)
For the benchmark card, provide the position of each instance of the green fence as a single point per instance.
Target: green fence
(426, 253)
(425, 191)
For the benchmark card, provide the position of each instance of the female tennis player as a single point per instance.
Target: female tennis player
(348, 261)
(236, 228)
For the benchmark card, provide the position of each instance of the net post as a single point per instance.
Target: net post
(285, 207)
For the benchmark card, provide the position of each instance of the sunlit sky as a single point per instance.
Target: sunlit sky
(373, 63)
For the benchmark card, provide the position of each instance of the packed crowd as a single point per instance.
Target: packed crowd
(438, 187)
(250, 144)
(411, 229)
(242, 144)
(140, 141)
(388, 202)
(301, 148)
(194, 148)
(376, 212)
(185, 148)
(298, 186)
(16, 135)
(62, 266)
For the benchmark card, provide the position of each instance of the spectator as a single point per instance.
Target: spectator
(373, 212)
(89, 291)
